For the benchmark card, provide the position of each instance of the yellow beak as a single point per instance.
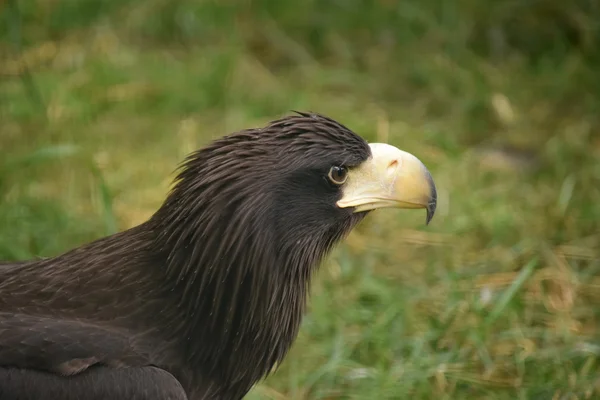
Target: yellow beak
(389, 178)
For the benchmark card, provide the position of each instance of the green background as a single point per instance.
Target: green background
(497, 299)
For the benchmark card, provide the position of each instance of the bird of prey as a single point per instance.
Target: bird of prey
(203, 299)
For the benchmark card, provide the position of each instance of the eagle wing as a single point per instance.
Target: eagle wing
(66, 347)
(96, 383)
(44, 357)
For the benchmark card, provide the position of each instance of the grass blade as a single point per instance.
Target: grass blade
(511, 291)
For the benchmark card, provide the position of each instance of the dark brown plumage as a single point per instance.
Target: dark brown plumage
(205, 297)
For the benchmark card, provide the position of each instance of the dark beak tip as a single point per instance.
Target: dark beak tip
(430, 213)
(432, 204)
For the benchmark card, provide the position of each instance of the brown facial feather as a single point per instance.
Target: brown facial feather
(213, 287)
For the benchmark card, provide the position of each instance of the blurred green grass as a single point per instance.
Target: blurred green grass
(497, 299)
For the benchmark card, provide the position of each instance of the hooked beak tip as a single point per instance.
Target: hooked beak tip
(432, 204)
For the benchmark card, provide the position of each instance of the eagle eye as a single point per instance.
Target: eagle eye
(338, 174)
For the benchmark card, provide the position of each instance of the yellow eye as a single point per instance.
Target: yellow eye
(338, 175)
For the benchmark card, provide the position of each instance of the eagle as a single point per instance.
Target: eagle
(205, 298)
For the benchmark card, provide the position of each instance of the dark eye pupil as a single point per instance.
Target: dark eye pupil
(338, 173)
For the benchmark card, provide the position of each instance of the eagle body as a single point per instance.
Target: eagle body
(206, 297)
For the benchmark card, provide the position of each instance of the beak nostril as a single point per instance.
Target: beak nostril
(393, 165)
